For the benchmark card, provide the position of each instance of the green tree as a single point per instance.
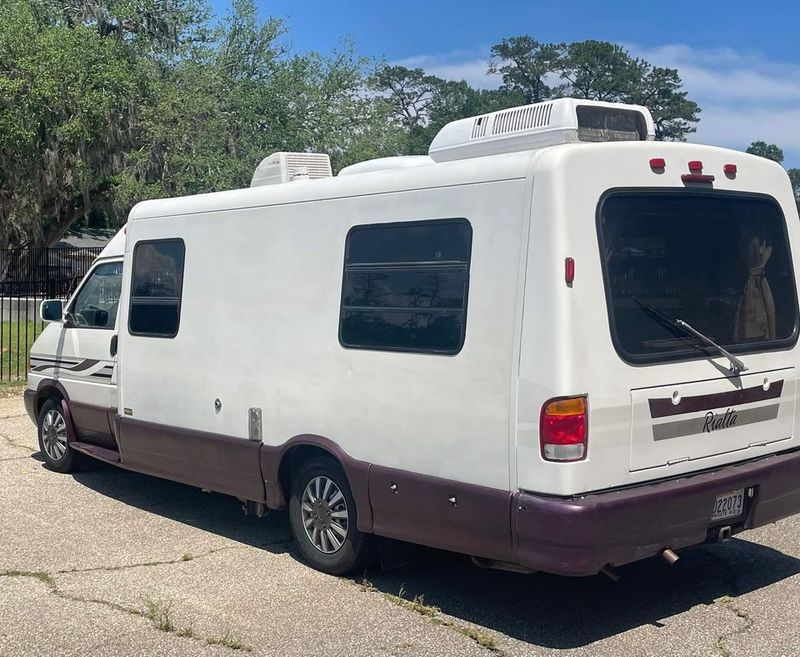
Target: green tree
(422, 104)
(526, 65)
(769, 151)
(65, 119)
(598, 70)
(661, 91)
(408, 90)
(107, 102)
(595, 70)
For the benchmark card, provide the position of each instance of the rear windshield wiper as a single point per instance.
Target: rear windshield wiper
(736, 364)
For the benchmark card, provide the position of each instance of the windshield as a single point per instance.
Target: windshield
(718, 261)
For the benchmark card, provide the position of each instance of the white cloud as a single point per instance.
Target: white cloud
(744, 95)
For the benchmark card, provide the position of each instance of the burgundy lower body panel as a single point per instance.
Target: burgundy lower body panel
(580, 536)
(92, 424)
(30, 405)
(441, 513)
(206, 460)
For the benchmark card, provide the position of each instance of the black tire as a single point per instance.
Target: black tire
(53, 445)
(356, 551)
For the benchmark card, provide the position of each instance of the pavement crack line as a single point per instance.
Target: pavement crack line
(145, 564)
(720, 644)
(12, 443)
(434, 615)
(157, 615)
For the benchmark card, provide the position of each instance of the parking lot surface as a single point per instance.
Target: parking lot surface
(107, 562)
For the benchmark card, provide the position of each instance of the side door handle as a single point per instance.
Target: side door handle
(113, 349)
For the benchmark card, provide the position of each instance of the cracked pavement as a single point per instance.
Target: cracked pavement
(107, 562)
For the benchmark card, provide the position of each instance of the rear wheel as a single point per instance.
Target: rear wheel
(322, 513)
(55, 449)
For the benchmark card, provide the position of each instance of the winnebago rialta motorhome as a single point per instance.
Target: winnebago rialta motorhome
(552, 344)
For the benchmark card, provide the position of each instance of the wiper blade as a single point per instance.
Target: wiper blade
(737, 365)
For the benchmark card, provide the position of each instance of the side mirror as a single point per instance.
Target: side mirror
(52, 310)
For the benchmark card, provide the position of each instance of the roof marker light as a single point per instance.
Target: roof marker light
(569, 270)
(695, 166)
(657, 163)
(729, 169)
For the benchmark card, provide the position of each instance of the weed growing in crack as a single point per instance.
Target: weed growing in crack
(483, 639)
(418, 605)
(159, 613)
(229, 641)
(187, 557)
(185, 632)
(43, 577)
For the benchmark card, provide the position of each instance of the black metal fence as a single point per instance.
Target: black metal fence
(27, 277)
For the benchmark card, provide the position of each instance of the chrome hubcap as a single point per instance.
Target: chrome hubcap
(54, 435)
(325, 515)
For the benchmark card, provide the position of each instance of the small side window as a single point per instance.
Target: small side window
(156, 288)
(405, 286)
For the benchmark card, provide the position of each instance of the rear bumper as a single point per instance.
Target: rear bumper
(30, 404)
(580, 536)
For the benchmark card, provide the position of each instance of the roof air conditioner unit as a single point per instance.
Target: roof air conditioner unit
(559, 121)
(287, 167)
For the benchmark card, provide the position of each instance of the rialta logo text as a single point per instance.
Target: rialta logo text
(714, 421)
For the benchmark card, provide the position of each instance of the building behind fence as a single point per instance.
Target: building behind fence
(27, 277)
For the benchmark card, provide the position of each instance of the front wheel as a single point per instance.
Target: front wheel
(322, 513)
(55, 449)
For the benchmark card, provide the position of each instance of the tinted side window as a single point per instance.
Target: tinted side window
(156, 288)
(405, 286)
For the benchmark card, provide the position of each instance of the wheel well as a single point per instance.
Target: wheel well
(43, 395)
(293, 459)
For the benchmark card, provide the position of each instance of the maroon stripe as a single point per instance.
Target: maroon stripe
(663, 407)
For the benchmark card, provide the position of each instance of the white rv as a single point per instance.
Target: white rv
(552, 344)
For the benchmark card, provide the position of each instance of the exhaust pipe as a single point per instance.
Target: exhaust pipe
(669, 556)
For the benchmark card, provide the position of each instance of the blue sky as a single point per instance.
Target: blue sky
(739, 60)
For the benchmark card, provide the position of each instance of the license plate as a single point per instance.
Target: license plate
(728, 505)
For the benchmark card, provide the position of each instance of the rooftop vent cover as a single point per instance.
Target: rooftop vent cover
(286, 167)
(559, 121)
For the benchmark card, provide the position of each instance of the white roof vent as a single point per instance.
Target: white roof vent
(529, 127)
(386, 163)
(286, 167)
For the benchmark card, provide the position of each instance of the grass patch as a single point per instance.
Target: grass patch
(480, 637)
(159, 614)
(44, 578)
(16, 340)
(229, 641)
(419, 606)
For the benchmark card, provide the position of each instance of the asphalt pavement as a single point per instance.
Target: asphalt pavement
(106, 562)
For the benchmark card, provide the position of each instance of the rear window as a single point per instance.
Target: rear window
(718, 261)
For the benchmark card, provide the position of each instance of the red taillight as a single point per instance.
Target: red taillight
(729, 169)
(695, 166)
(569, 270)
(658, 163)
(563, 429)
